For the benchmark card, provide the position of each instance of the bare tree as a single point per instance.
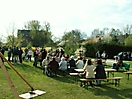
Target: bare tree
(11, 32)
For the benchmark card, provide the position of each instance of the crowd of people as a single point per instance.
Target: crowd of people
(58, 62)
(54, 62)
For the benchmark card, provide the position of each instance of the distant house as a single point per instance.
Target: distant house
(25, 34)
(91, 40)
(62, 43)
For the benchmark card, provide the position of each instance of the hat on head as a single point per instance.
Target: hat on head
(72, 57)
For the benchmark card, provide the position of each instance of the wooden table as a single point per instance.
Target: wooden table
(128, 73)
(110, 70)
(79, 70)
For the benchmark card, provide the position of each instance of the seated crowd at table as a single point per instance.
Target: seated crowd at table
(65, 64)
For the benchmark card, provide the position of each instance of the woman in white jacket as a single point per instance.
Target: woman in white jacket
(89, 69)
(80, 63)
(63, 64)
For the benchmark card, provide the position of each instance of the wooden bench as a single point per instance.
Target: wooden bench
(128, 73)
(74, 76)
(84, 82)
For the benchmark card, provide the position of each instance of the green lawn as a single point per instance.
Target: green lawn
(60, 87)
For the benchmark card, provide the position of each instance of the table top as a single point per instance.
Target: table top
(128, 72)
(110, 69)
(79, 70)
(106, 69)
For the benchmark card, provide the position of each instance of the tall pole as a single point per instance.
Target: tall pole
(9, 80)
(1, 55)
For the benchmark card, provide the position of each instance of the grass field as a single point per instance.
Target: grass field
(60, 87)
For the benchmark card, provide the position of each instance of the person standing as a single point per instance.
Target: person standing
(9, 54)
(20, 54)
(36, 52)
(12, 51)
(15, 54)
(104, 56)
(98, 55)
(43, 55)
(30, 53)
(2, 51)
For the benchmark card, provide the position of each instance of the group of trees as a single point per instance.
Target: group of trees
(113, 36)
(72, 40)
(41, 36)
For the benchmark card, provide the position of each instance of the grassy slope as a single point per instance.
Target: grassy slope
(60, 87)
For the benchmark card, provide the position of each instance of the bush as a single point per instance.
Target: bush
(110, 48)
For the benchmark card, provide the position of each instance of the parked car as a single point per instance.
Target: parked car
(124, 55)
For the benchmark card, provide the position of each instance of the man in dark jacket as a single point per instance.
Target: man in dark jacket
(2, 51)
(20, 54)
(43, 56)
(100, 72)
(72, 64)
(98, 55)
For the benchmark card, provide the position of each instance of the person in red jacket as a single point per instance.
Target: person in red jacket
(52, 67)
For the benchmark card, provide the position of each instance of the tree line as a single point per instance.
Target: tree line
(40, 35)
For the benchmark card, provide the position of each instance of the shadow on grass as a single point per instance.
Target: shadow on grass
(28, 67)
(112, 92)
(7, 67)
(66, 78)
(23, 65)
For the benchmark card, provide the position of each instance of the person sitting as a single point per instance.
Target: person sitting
(72, 64)
(117, 63)
(80, 63)
(100, 72)
(63, 65)
(52, 67)
(89, 69)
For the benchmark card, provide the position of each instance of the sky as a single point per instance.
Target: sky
(65, 15)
